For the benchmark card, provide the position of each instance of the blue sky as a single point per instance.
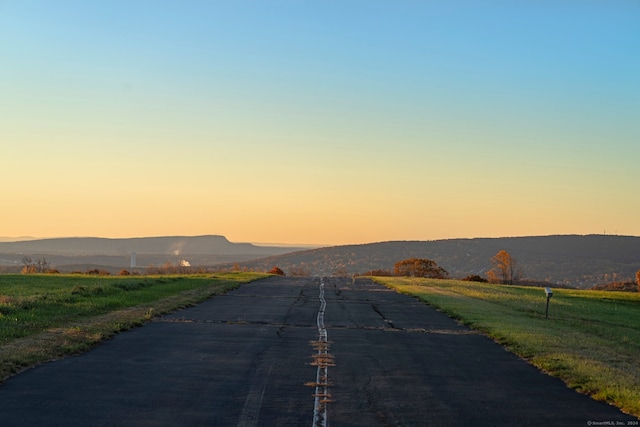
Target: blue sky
(319, 122)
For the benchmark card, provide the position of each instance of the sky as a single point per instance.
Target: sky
(319, 122)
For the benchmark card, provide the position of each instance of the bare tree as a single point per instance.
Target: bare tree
(41, 265)
(26, 262)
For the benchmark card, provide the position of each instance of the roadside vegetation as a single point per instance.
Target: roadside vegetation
(44, 316)
(591, 339)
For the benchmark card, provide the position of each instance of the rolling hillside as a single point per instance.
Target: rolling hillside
(578, 261)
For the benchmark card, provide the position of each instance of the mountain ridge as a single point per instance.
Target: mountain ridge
(113, 254)
(204, 244)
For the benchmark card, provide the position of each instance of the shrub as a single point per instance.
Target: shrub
(98, 272)
(475, 278)
(277, 271)
(419, 267)
(385, 273)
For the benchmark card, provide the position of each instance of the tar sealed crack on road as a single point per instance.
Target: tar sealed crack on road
(322, 359)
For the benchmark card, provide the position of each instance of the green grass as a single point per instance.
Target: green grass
(591, 339)
(43, 317)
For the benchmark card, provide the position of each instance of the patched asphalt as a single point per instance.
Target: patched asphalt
(245, 359)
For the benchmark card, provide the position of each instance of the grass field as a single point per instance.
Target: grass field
(43, 317)
(591, 339)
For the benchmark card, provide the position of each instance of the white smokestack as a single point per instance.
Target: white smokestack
(133, 260)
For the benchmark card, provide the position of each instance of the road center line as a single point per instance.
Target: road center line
(322, 359)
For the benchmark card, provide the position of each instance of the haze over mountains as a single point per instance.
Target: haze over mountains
(152, 245)
(573, 260)
(15, 239)
(112, 254)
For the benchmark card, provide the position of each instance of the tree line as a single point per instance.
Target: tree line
(504, 269)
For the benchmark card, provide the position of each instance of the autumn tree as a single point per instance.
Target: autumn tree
(419, 267)
(638, 279)
(504, 269)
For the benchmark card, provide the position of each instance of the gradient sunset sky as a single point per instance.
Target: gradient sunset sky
(319, 122)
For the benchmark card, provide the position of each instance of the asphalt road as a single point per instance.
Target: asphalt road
(257, 356)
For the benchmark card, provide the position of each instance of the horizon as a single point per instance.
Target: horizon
(341, 122)
(6, 239)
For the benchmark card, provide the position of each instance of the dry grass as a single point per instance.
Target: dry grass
(80, 333)
(591, 339)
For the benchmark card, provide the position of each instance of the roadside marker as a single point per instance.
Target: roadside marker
(549, 294)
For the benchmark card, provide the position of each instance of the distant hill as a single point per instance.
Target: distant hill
(65, 253)
(15, 239)
(574, 260)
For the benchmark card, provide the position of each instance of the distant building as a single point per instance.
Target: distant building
(133, 260)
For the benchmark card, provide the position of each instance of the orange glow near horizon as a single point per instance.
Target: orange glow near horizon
(416, 123)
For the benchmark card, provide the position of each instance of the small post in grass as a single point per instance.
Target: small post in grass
(549, 293)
